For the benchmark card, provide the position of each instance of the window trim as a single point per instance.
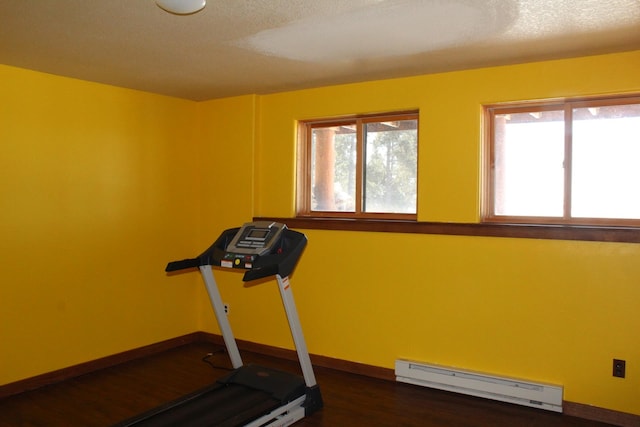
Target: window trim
(518, 231)
(303, 166)
(487, 212)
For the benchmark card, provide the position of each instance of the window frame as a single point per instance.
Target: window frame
(303, 166)
(566, 105)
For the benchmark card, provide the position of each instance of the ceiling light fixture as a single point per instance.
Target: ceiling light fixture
(182, 7)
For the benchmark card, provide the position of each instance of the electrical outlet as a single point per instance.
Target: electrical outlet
(619, 368)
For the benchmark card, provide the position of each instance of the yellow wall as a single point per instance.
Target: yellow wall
(98, 190)
(102, 186)
(555, 311)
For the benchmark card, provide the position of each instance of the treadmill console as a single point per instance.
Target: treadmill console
(263, 248)
(252, 240)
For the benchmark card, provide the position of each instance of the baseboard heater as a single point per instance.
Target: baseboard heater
(527, 393)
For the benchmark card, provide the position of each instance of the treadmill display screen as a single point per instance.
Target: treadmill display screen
(258, 234)
(253, 239)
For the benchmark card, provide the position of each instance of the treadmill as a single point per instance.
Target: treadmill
(251, 395)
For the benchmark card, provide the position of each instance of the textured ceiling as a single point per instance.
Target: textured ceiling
(236, 47)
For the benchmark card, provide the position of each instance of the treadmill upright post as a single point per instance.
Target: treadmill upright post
(221, 316)
(296, 330)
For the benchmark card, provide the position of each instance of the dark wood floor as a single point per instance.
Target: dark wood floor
(111, 395)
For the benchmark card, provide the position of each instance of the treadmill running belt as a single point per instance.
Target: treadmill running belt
(227, 406)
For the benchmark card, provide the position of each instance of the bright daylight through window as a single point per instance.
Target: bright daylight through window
(362, 167)
(572, 162)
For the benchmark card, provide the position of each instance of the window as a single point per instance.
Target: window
(359, 167)
(568, 162)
